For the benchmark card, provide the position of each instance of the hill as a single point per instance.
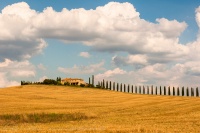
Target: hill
(69, 109)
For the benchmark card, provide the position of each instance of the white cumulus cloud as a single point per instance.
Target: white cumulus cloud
(13, 69)
(84, 54)
(92, 68)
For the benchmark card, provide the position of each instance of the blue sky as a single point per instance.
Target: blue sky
(137, 42)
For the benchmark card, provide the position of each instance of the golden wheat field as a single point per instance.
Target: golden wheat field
(41, 108)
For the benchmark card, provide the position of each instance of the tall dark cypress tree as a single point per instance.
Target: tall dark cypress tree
(117, 86)
(136, 91)
(173, 91)
(187, 91)
(106, 84)
(89, 80)
(103, 84)
(143, 90)
(124, 88)
(160, 90)
(178, 92)
(128, 89)
(169, 93)
(164, 90)
(197, 91)
(183, 91)
(156, 90)
(148, 90)
(121, 87)
(132, 89)
(110, 85)
(152, 89)
(93, 80)
(192, 92)
(139, 89)
(113, 86)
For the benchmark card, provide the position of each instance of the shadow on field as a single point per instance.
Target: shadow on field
(10, 119)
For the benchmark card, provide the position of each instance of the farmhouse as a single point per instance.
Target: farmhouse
(73, 81)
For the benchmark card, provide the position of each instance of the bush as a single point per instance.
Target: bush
(82, 85)
(67, 83)
(98, 86)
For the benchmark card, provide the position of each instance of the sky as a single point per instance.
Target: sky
(138, 42)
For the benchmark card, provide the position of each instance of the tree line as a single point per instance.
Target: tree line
(45, 82)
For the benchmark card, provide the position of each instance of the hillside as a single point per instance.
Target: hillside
(70, 109)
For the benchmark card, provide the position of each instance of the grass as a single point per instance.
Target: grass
(69, 109)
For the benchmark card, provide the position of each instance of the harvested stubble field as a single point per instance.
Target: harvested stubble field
(46, 109)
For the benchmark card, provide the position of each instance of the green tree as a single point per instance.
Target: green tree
(178, 92)
(187, 91)
(156, 90)
(183, 91)
(110, 85)
(169, 93)
(152, 89)
(197, 91)
(164, 90)
(192, 92)
(160, 90)
(173, 91)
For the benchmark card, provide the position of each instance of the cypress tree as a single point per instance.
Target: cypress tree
(160, 90)
(121, 87)
(192, 92)
(124, 88)
(178, 92)
(197, 91)
(113, 86)
(101, 84)
(139, 89)
(128, 89)
(152, 89)
(156, 90)
(183, 91)
(169, 91)
(148, 90)
(164, 90)
(132, 89)
(89, 80)
(187, 91)
(106, 84)
(117, 86)
(143, 90)
(173, 91)
(136, 91)
(93, 80)
(110, 86)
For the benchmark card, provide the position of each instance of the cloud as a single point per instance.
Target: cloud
(110, 74)
(17, 40)
(135, 60)
(93, 68)
(13, 69)
(154, 46)
(4, 82)
(118, 27)
(84, 54)
(43, 78)
(41, 67)
(177, 75)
